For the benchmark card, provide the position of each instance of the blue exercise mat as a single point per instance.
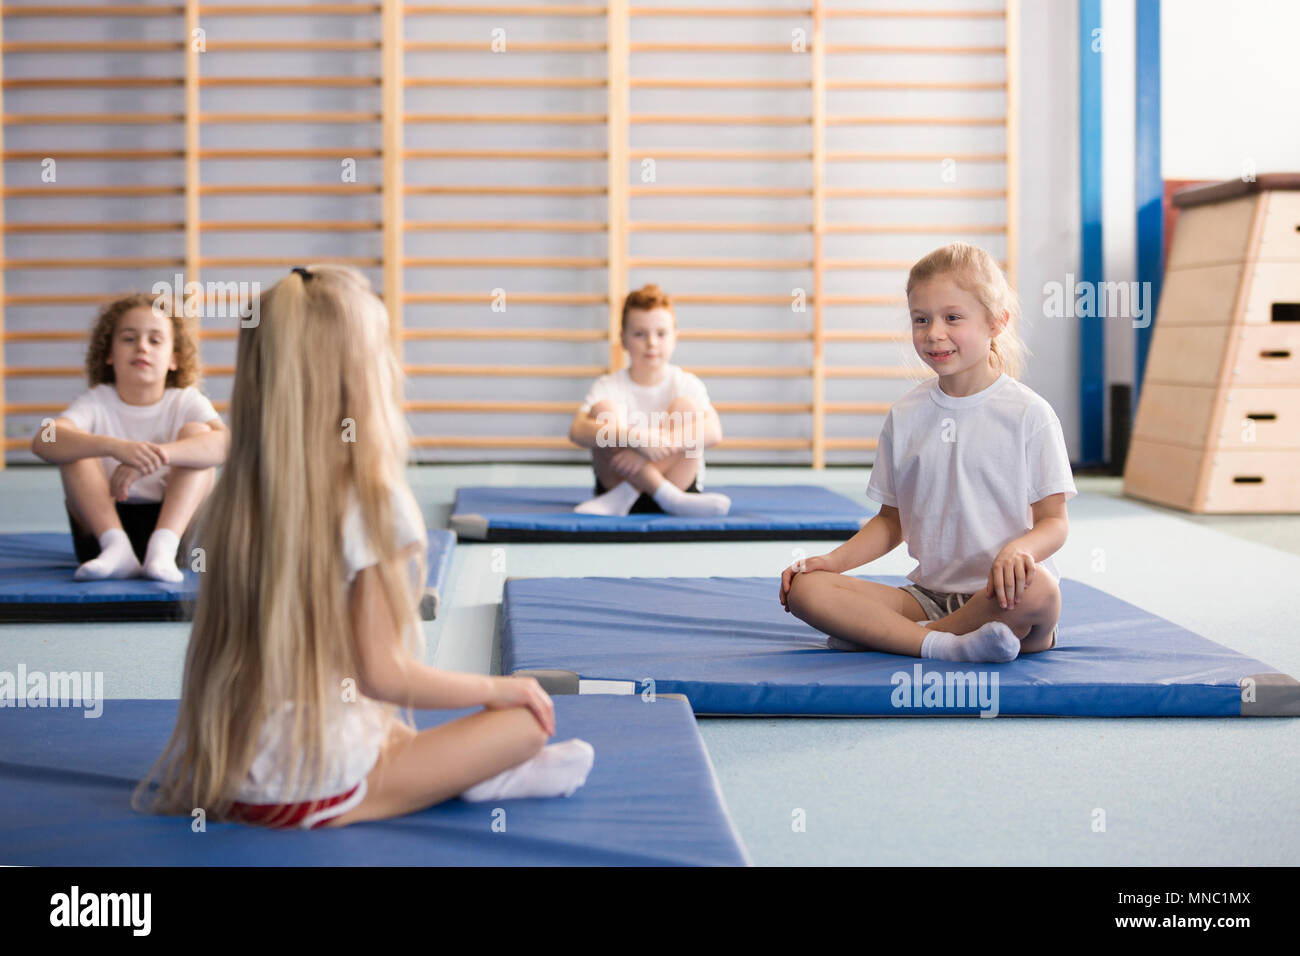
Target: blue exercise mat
(36, 584)
(651, 799)
(729, 646)
(758, 512)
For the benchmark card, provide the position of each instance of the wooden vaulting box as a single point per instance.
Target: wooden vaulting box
(1218, 421)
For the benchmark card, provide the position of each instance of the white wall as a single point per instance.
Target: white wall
(1230, 88)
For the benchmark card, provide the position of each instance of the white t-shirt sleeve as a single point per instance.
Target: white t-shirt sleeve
(82, 412)
(881, 486)
(196, 407)
(358, 552)
(601, 389)
(1049, 463)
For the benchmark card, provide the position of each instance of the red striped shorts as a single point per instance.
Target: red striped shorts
(309, 815)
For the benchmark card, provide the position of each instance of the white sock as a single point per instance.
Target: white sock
(160, 556)
(116, 559)
(993, 643)
(617, 501)
(693, 504)
(557, 771)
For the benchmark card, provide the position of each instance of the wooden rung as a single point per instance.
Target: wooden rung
(867, 264)
(774, 155)
(290, 46)
(513, 298)
(506, 82)
(317, 189)
(745, 227)
(724, 12)
(509, 371)
(501, 225)
(717, 83)
(47, 299)
(93, 46)
(508, 119)
(535, 408)
(94, 227)
(490, 190)
(862, 300)
(213, 119)
(282, 9)
(871, 156)
(333, 152)
(509, 441)
(916, 121)
(916, 50)
(751, 371)
(848, 192)
(113, 263)
(520, 262)
(938, 228)
(93, 119)
(734, 299)
(258, 225)
(699, 262)
(867, 12)
(514, 46)
(851, 444)
(663, 47)
(47, 192)
(98, 155)
(868, 371)
(715, 119)
(722, 191)
(549, 335)
(910, 85)
(90, 10)
(94, 82)
(505, 9)
(857, 408)
(864, 335)
(294, 81)
(361, 262)
(553, 154)
(79, 371)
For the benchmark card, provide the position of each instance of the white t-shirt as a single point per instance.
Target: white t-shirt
(101, 412)
(641, 402)
(963, 472)
(355, 729)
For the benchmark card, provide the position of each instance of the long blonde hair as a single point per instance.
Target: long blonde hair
(315, 410)
(974, 270)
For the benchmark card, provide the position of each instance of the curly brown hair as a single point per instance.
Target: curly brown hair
(184, 344)
(646, 298)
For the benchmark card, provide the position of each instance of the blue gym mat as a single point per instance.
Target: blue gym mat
(651, 800)
(758, 512)
(729, 646)
(36, 584)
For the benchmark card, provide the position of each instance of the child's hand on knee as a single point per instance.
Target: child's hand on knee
(124, 476)
(145, 456)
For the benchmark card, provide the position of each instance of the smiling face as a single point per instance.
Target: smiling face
(951, 331)
(142, 352)
(650, 337)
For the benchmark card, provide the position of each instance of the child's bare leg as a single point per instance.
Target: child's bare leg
(424, 768)
(86, 488)
(1031, 620)
(185, 492)
(187, 489)
(874, 616)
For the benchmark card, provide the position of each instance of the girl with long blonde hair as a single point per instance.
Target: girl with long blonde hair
(306, 635)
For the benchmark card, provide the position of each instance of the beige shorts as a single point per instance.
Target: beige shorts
(937, 604)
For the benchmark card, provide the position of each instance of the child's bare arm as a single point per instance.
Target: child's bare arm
(200, 451)
(387, 672)
(68, 443)
(876, 538)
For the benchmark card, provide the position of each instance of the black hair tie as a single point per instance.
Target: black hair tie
(302, 272)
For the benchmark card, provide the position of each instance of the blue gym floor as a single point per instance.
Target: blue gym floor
(838, 791)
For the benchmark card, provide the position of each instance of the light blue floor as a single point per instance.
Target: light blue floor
(894, 790)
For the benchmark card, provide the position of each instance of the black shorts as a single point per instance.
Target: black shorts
(138, 521)
(644, 503)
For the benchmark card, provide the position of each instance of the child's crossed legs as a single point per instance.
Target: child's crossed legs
(880, 617)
